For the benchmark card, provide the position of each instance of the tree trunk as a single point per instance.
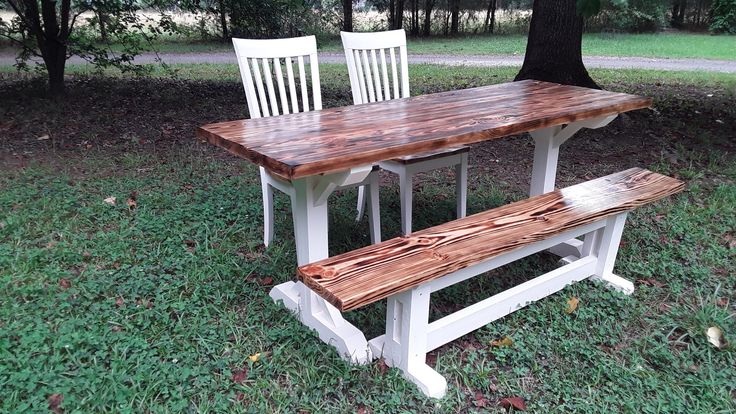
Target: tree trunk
(428, 4)
(347, 15)
(55, 60)
(102, 22)
(399, 15)
(415, 18)
(223, 20)
(490, 17)
(678, 13)
(554, 48)
(454, 16)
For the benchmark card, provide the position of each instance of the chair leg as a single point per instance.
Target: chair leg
(361, 203)
(267, 191)
(405, 195)
(461, 186)
(374, 212)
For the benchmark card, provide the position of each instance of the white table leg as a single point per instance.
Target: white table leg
(547, 142)
(309, 209)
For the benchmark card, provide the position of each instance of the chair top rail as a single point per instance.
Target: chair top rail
(275, 48)
(373, 40)
(372, 273)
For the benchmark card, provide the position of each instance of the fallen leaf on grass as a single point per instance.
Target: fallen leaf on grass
(362, 409)
(382, 366)
(716, 338)
(110, 200)
(505, 341)
(55, 401)
(131, 203)
(516, 402)
(480, 400)
(722, 302)
(730, 241)
(65, 283)
(119, 302)
(266, 281)
(240, 375)
(255, 357)
(572, 304)
(43, 137)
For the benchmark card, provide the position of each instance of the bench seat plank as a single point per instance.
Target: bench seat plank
(372, 273)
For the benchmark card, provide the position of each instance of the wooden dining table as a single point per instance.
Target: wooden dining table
(320, 150)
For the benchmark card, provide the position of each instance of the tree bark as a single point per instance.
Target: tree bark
(454, 16)
(428, 5)
(554, 48)
(490, 17)
(399, 15)
(347, 15)
(223, 20)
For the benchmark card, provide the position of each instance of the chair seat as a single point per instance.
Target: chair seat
(430, 155)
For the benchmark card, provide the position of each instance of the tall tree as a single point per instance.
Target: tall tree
(490, 16)
(347, 15)
(554, 48)
(428, 5)
(454, 16)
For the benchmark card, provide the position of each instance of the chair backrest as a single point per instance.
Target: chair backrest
(371, 76)
(255, 58)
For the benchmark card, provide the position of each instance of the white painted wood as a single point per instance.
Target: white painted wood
(369, 82)
(461, 185)
(254, 60)
(374, 221)
(409, 336)
(547, 142)
(405, 341)
(488, 310)
(406, 201)
(361, 203)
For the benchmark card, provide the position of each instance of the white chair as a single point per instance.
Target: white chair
(374, 76)
(256, 58)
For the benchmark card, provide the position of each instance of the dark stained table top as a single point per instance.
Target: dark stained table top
(317, 142)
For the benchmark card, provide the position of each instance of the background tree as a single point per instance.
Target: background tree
(347, 15)
(490, 22)
(427, 27)
(554, 47)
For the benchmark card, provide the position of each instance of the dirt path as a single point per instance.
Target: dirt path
(724, 66)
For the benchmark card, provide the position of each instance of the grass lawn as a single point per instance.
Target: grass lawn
(659, 45)
(159, 302)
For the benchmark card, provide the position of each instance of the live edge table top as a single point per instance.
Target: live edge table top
(311, 143)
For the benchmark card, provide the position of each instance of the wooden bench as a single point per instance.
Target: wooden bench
(407, 269)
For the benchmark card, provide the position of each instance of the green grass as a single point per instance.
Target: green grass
(157, 308)
(660, 45)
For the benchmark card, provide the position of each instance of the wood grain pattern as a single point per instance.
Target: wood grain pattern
(372, 273)
(311, 143)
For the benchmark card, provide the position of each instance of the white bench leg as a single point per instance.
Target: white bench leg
(606, 243)
(405, 342)
(461, 185)
(309, 209)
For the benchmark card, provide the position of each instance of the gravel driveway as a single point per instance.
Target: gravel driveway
(707, 65)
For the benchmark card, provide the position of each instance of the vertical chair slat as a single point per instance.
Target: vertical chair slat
(386, 89)
(316, 88)
(303, 84)
(259, 85)
(394, 73)
(404, 72)
(361, 78)
(269, 84)
(250, 93)
(368, 77)
(376, 76)
(280, 83)
(292, 87)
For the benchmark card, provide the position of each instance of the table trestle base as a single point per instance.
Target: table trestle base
(547, 143)
(410, 335)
